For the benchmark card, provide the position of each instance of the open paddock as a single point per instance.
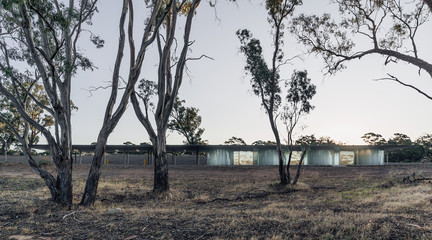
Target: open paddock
(224, 202)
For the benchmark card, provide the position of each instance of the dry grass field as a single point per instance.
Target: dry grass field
(224, 203)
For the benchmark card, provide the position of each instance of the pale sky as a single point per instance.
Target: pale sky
(347, 105)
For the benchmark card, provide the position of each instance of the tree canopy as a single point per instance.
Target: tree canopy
(186, 121)
(235, 141)
(412, 151)
(373, 139)
(312, 140)
(390, 27)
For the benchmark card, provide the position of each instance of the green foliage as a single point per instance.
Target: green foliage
(373, 139)
(264, 83)
(44, 162)
(308, 140)
(235, 141)
(426, 142)
(186, 121)
(297, 103)
(261, 142)
(300, 92)
(37, 113)
(7, 137)
(400, 139)
(411, 151)
(265, 79)
(146, 90)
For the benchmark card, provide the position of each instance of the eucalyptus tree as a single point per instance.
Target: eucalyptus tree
(38, 45)
(297, 104)
(11, 115)
(426, 142)
(389, 27)
(186, 121)
(262, 142)
(235, 141)
(373, 139)
(7, 136)
(412, 152)
(170, 77)
(265, 79)
(116, 105)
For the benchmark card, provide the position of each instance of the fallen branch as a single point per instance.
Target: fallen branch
(67, 215)
(420, 227)
(413, 178)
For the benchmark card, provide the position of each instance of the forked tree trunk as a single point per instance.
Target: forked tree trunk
(61, 187)
(282, 173)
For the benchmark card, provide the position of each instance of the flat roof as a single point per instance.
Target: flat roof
(206, 148)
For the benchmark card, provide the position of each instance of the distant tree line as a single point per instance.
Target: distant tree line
(415, 151)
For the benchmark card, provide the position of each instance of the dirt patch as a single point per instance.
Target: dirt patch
(227, 202)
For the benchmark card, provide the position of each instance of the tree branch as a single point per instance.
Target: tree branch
(395, 79)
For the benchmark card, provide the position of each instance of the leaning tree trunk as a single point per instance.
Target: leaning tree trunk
(282, 173)
(49, 179)
(90, 191)
(299, 167)
(288, 165)
(161, 183)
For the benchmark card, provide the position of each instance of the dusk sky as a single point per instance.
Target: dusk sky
(347, 105)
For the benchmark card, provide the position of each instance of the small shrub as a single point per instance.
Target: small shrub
(44, 162)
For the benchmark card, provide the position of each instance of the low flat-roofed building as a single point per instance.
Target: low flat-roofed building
(260, 154)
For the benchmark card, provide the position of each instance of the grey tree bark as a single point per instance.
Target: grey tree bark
(167, 90)
(112, 117)
(52, 49)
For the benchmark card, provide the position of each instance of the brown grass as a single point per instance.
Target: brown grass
(319, 207)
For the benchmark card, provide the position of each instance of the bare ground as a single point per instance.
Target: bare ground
(224, 203)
